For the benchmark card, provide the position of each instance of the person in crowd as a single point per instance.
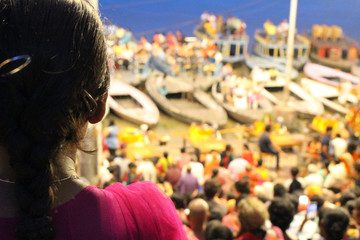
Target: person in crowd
(242, 188)
(164, 164)
(325, 155)
(215, 230)
(340, 146)
(179, 202)
(253, 176)
(183, 159)
(147, 168)
(337, 177)
(226, 156)
(165, 186)
(313, 178)
(212, 161)
(314, 149)
(281, 212)
(261, 170)
(198, 216)
(132, 176)
(252, 216)
(188, 183)
(349, 158)
(231, 219)
(333, 223)
(111, 139)
(53, 83)
(247, 154)
(293, 185)
(345, 197)
(197, 169)
(355, 216)
(123, 162)
(266, 145)
(173, 176)
(212, 190)
(279, 190)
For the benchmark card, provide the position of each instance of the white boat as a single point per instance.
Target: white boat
(329, 76)
(300, 100)
(324, 93)
(254, 61)
(131, 104)
(243, 115)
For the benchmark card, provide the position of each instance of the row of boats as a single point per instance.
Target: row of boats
(183, 95)
(326, 45)
(179, 97)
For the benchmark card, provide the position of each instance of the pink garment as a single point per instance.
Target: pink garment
(138, 211)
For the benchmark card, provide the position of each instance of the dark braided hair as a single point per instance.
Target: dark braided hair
(43, 105)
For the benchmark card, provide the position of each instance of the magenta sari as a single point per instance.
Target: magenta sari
(138, 211)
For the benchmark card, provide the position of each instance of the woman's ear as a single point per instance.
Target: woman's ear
(99, 113)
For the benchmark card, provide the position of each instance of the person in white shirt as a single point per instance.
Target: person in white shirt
(314, 178)
(147, 168)
(340, 145)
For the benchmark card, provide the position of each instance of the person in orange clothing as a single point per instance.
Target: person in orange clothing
(314, 149)
(247, 154)
(254, 177)
(212, 161)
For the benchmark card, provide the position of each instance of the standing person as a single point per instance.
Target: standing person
(173, 176)
(188, 183)
(183, 159)
(340, 146)
(226, 156)
(164, 164)
(53, 83)
(111, 140)
(266, 145)
(147, 168)
(325, 155)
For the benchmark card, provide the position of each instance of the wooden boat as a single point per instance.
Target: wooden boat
(242, 115)
(182, 101)
(300, 100)
(324, 93)
(254, 61)
(276, 50)
(329, 75)
(330, 47)
(131, 104)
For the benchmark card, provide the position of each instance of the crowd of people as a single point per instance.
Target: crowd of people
(221, 196)
(169, 52)
(218, 27)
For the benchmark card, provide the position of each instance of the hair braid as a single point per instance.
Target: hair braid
(30, 159)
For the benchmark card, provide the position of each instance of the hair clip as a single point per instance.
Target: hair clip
(89, 102)
(25, 58)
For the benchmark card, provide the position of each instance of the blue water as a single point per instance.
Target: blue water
(145, 17)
